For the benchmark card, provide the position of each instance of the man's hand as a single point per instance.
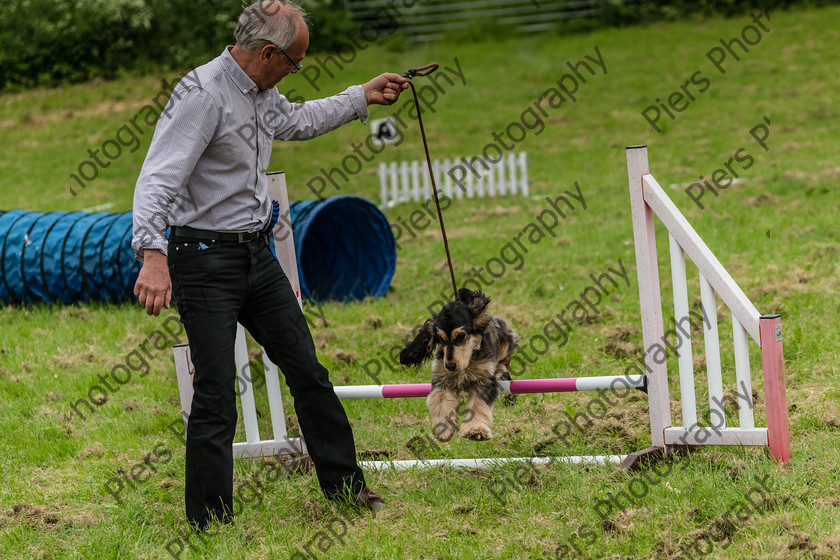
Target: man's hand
(384, 89)
(153, 287)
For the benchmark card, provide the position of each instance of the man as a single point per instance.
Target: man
(204, 177)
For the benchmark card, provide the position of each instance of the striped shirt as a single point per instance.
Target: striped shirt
(212, 144)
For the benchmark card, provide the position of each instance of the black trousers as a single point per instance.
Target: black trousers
(216, 285)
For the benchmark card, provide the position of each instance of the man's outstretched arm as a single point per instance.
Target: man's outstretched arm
(302, 121)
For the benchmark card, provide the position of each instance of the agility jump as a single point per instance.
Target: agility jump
(647, 200)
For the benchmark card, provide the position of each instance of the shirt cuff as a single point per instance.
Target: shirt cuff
(357, 100)
(162, 247)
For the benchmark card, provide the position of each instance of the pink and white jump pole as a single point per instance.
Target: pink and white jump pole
(561, 385)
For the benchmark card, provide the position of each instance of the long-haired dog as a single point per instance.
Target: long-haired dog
(472, 350)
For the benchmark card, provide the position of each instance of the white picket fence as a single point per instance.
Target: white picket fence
(470, 177)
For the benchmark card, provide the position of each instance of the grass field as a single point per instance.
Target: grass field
(775, 231)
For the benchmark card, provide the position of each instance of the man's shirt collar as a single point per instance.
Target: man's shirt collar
(242, 81)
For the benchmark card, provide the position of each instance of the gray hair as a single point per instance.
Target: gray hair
(258, 24)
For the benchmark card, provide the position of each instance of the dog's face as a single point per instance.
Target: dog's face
(454, 337)
(455, 333)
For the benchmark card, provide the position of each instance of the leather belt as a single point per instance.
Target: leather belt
(208, 235)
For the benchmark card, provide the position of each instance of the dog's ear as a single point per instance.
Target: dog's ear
(466, 295)
(477, 303)
(420, 349)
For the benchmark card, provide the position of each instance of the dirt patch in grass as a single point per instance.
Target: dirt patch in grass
(321, 339)
(791, 282)
(620, 342)
(463, 509)
(94, 450)
(620, 428)
(483, 214)
(762, 200)
(624, 521)
(373, 322)
(828, 549)
(344, 357)
(375, 454)
(403, 419)
(621, 350)
(32, 514)
(801, 543)
(45, 517)
(68, 359)
(830, 418)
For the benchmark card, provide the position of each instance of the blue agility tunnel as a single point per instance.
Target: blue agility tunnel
(344, 245)
(66, 257)
(345, 248)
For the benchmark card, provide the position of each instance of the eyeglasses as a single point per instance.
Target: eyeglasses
(295, 65)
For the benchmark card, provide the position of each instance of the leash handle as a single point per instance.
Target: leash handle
(425, 71)
(419, 71)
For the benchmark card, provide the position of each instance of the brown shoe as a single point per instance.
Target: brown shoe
(368, 500)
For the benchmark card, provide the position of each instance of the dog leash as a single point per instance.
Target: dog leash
(409, 74)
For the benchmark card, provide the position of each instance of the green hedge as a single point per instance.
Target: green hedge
(54, 41)
(50, 41)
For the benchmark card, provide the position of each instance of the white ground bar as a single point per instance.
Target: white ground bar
(715, 436)
(490, 463)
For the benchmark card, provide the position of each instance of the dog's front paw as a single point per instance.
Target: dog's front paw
(476, 432)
